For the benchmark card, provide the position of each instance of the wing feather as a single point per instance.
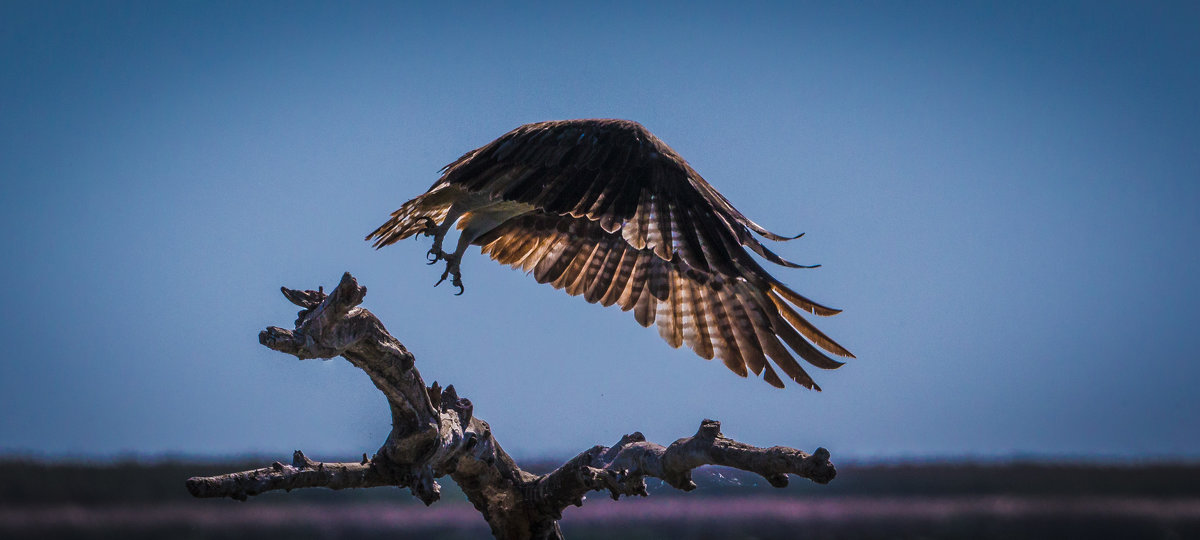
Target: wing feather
(670, 313)
(645, 309)
(637, 282)
(725, 340)
(660, 280)
(664, 246)
(620, 277)
(637, 231)
(803, 348)
(601, 276)
(579, 205)
(811, 332)
(546, 239)
(587, 272)
(702, 322)
(769, 342)
(576, 267)
(557, 260)
(743, 331)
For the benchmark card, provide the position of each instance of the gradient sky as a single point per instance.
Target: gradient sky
(1004, 199)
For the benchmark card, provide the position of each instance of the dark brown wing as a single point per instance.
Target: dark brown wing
(743, 321)
(618, 173)
(622, 219)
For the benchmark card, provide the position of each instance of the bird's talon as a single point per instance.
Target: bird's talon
(455, 280)
(433, 256)
(429, 227)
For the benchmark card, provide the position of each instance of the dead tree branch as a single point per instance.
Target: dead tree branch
(434, 434)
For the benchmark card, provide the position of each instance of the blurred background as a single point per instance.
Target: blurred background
(1003, 198)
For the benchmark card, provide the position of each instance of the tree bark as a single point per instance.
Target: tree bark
(434, 434)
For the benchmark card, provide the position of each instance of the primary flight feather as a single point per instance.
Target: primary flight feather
(604, 209)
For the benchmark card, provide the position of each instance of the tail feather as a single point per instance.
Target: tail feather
(410, 218)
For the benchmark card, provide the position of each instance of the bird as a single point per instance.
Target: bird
(604, 209)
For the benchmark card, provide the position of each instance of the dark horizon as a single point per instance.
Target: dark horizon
(928, 501)
(539, 462)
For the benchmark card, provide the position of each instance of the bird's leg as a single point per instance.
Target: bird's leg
(435, 253)
(438, 233)
(429, 227)
(452, 270)
(453, 259)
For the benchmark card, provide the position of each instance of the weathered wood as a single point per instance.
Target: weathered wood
(435, 434)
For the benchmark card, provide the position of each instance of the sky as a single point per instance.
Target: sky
(1004, 199)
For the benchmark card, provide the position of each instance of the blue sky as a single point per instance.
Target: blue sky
(1004, 198)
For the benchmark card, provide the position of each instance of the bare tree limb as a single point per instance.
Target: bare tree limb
(303, 472)
(435, 434)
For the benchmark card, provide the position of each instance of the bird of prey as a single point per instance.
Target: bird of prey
(604, 209)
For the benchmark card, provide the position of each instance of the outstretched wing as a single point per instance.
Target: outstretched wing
(617, 173)
(622, 219)
(739, 321)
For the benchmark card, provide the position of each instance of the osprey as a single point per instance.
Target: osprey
(604, 209)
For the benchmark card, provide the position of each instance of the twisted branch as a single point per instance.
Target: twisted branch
(435, 434)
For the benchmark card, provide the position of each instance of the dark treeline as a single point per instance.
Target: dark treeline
(36, 482)
(929, 501)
